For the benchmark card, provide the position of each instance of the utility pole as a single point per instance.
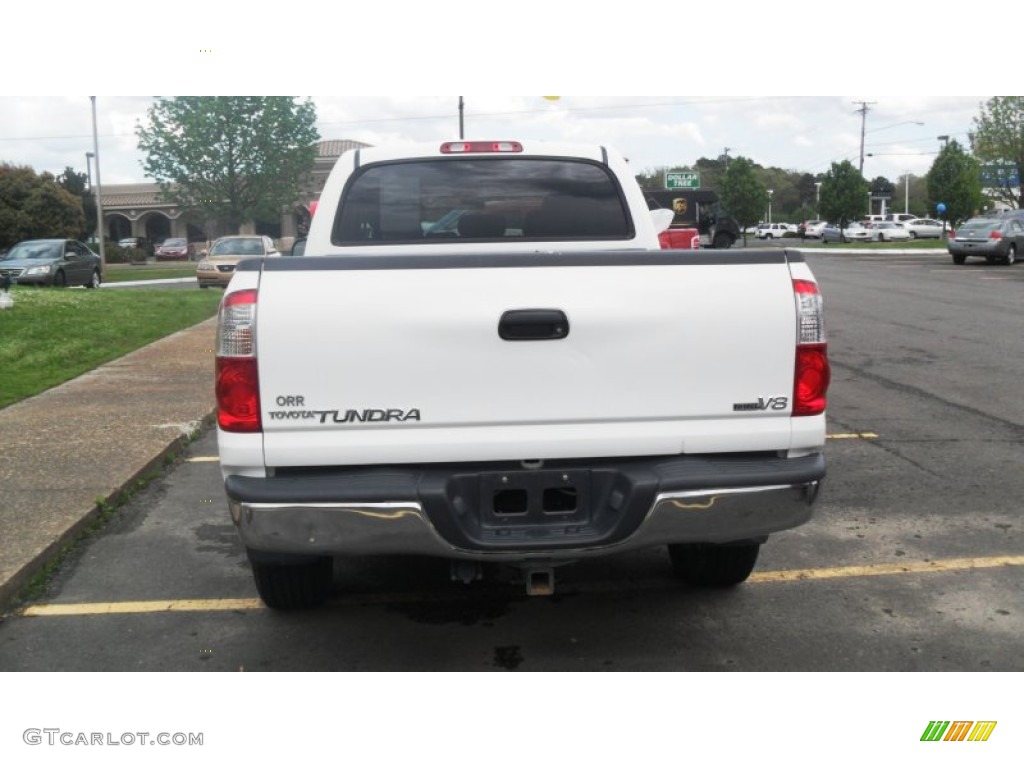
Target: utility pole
(99, 187)
(461, 107)
(863, 120)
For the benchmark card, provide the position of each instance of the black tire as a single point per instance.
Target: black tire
(959, 259)
(94, 280)
(287, 587)
(722, 240)
(713, 565)
(60, 279)
(1011, 255)
(913, 235)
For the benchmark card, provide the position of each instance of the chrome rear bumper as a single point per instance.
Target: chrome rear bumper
(714, 513)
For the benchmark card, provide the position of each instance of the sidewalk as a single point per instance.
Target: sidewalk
(92, 438)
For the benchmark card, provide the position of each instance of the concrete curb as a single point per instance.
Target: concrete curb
(67, 451)
(74, 533)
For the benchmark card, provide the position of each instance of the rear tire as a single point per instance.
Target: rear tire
(713, 565)
(1011, 255)
(290, 586)
(722, 241)
(958, 259)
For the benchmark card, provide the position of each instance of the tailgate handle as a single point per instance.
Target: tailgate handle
(533, 325)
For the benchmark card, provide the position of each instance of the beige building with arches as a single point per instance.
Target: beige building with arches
(139, 210)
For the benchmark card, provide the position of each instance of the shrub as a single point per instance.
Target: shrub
(114, 253)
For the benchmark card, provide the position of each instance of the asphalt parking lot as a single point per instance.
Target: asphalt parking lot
(912, 561)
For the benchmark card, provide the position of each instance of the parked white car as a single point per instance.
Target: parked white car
(775, 229)
(814, 228)
(888, 231)
(899, 217)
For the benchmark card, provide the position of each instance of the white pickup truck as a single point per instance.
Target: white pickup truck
(485, 356)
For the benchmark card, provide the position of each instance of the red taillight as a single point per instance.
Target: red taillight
(812, 374)
(463, 147)
(811, 380)
(237, 378)
(995, 235)
(238, 395)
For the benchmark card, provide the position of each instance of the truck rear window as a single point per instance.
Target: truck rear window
(485, 200)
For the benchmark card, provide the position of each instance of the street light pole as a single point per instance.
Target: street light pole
(770, 191)
(906, 192)
(817, 199)
(99, 201)
(88, 171)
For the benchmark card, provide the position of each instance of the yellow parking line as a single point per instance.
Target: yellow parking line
(765, 577)
(196, 459)
(889, 569)
(147, 606)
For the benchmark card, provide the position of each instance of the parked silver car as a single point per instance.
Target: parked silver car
(924, 228)
(995, 240)
(52, 262)
(852, 232)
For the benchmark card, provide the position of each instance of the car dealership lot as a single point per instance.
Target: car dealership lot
(912, 561)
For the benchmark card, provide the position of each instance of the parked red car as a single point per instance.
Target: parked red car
(174, 248)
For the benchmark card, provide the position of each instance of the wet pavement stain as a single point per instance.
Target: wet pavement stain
(222, 539)
(507, 657)
(467, 611)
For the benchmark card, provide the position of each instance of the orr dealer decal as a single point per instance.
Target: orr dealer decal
(297, 412)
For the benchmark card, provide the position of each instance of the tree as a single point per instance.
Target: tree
(844, 194)
(237, 158)
(77, 184)
(998, 145)
(882, 188)
(35, 206)
(651, 179)
(743, 194)
(955, 181)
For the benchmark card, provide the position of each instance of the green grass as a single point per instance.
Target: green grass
(908, 245)
(795, 242)
(51, 335)
(119, 273)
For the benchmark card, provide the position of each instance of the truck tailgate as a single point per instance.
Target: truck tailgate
(378, 360)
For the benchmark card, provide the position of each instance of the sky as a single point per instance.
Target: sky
(798, 133)
(789, 99)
